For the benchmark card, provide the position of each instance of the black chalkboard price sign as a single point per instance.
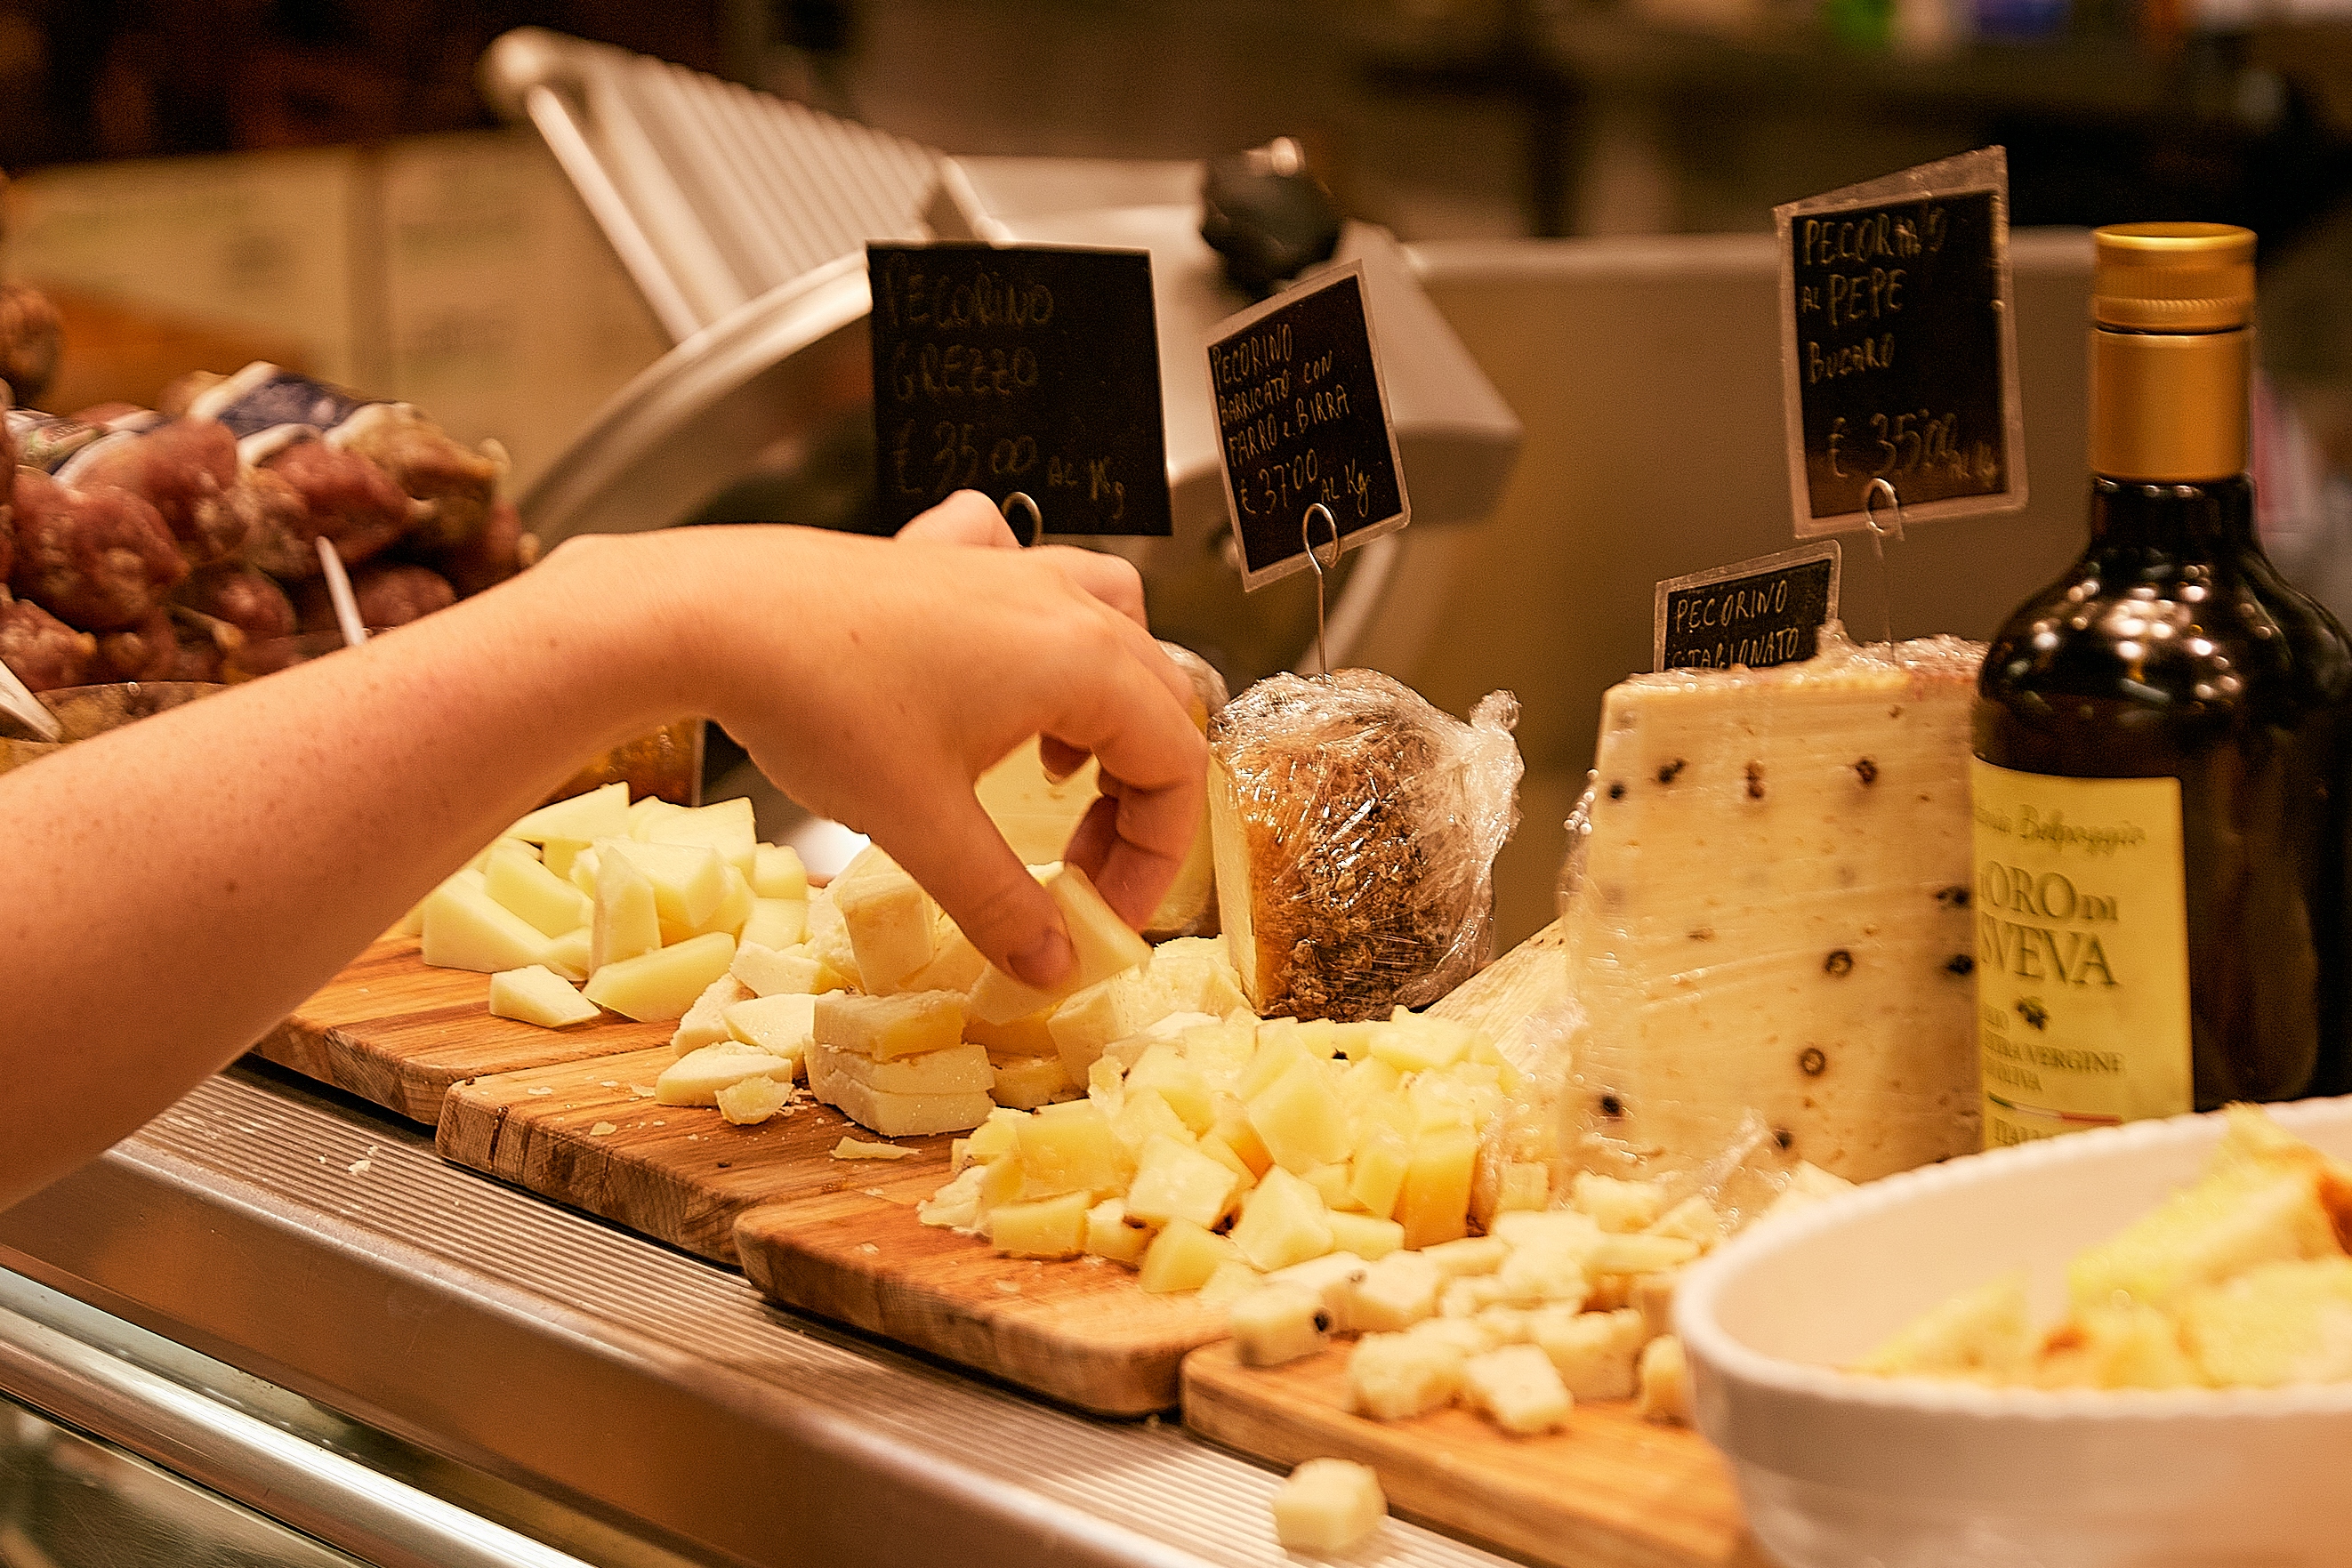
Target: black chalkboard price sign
(1759, 613)
(1028, 368)
(1898, 348)
(1302, 418)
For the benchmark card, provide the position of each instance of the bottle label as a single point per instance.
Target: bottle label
(2082, 924)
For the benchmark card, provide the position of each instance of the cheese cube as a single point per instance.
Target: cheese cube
(1175, 1182)
(1594, 1352)
(828, 937)
(1300, 1118)
(1232, 1282)
(1144, 1117)
(1384, 1154)
(1332, 1181)
(1364, 1235)
(1517, 1388)
(464, 928)
(1395, 1292)
(1771, 916)
(1395, 1376)
(537, 995)
(1664, 1382)
(725, 826)
(1327, 1507)
(1025, 1083)
(1113, 1233)
(752, 1100)
(568, 955)
(769, 972)
(1028, 1035)
(781, 1026)
(735, 906)
(1433, 1204)
(705, 1022)
(1104, 945)
(777, 872)
(1046, 1227)
(1282, 1223)
(515, 878)
(1181, 1257)
(1278, 1322)
(1164, 1069)
(1072, 1148)
(1332, 1277)
(626, 921)
(1616, 1204)
(1232, 1128)
(956, 964)
(1467, 1255)
(888, 917)
(601, 814)
(1537, 1276)
(777, 923)
(888, 1027)
(689, 880)
(1556, 1228)
(1415, 1042)
(696, 1078)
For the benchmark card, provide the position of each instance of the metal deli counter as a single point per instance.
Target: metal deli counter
(274, 1327)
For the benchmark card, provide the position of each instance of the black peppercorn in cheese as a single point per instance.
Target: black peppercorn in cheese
(1771, 913)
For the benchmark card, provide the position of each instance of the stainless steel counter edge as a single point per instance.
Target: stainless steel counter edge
(331, 1251)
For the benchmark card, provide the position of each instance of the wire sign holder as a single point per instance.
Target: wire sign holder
(1304, 430)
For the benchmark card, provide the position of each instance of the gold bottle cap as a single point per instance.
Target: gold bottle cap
(2173, 277)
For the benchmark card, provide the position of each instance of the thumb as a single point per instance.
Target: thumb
(958, 856)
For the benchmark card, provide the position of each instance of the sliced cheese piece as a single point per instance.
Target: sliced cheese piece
(570, 954)
(601, 814)
(955, 964)
(1025, 1083)
(735, 906)
(516, 879)
(859, 1149)
(899, 1116)
(539, 995)
(777, 872)
(753, 1101)
(696, 1078)
(625, 921)
(775, 922)
(1104, 945)
(770, 973)
(780, 1024)
(725, 826)
(662, 983)
(465, 928)
(705, 1022)
(888, 1027)
(958, 1070)
(1772, 908)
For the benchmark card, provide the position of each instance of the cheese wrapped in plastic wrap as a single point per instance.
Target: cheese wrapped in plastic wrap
(1355, 829)
(1767, 909)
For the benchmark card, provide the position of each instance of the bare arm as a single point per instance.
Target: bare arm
(169, 892)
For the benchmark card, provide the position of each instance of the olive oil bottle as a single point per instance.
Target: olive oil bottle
(2161, 737)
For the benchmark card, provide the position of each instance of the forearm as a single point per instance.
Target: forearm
(172, 890)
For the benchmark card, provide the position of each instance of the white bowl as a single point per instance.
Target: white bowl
(1841, 1471)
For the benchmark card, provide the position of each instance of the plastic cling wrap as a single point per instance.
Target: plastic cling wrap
(1354, 830)
(1766, 910)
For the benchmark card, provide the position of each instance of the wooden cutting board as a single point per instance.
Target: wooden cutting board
(395, 1032)
(1080, 1332)
(677, 1174)
(1612, 1490)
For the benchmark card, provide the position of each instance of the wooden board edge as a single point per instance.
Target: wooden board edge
(1120, 1377)
(1221, 1403)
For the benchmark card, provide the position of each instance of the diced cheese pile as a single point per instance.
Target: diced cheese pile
(1234, 1145)
(645, 903)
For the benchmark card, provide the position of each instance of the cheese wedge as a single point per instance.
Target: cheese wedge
(601, 814)
(696, 1078)
(625, 921)
(775, 922)
(725, 826)
(662, 983)
(777, 872)
(782, 1025)
(516, 878)
(537, 995)
(465, 928)
(1772, 908)
(891, 921)
(898, 1115)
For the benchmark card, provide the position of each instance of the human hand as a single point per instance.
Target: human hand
(900, 671)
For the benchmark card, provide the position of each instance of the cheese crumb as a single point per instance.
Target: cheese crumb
(359, 1168)
(604, 1130)
(858, 1149)
(867, 1246)
(540, 1089)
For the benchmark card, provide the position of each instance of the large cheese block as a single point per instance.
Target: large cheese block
(1771, 910)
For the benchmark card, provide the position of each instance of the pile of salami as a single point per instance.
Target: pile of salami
(144, 544)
